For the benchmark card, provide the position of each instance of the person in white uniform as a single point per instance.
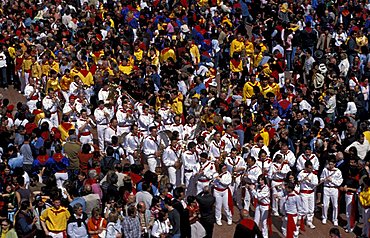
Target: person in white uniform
(133, 143)
(172, 160)
(277, 173)
(236, 166)
(222, 193)
(84, 126)
(152, 148)
(207, 172)
(252, 173)
(308, 181)
(50, 103)
(102, 117)
(261, 193)
(190, 163)
(332, 179)
(308, 156)
(110, 131)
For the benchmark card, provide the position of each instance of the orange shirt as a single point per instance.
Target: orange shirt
(94, 225)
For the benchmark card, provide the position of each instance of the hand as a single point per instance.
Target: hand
(34, 220)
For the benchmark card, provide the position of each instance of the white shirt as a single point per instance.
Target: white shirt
(103, 95)
(362, 149)
(190, 162)
(255, 150)
(202, 148)
(30, 90)
(109, 132)
(2, 60)
(215, 149)
(179, 128)
(190, 131)
(288, 156)
(171, 155)
(100, 117)
(49, 104)
(209, 171)
(80, 122)
(224, 181)
(278, 171)
(151, 145)
(145, 120)
(230, 142)
(264, 165)
(262, 194)
(160, 228)
(235, 163)
(293, 204)
(304, 105)
(253, 172)
(133, 142)
(307, 181)
(335, 176)
(302, 160)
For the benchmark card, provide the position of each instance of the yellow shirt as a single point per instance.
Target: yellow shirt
(64, 129)
(86, 77)
(167, 53)
(249, 49)
(45, 68)
(55, 66)
(364, 198)
(194, 51)
(126, 69)
(65, 82)
(275, 88)
(367, 135)
(177, 105)
(248, 91)
(11, 51)
(266, 89)
(236, 46)
(52, 83)
(266, 137)
(26, 64)
(36, 70)
(55, 219)
(139, 55)
(236, 66)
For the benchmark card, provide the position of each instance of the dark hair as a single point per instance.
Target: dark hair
(308, 163)
(334, 231)
(161, 216)
(110, 151)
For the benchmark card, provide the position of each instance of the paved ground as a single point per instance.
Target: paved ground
(226, 231)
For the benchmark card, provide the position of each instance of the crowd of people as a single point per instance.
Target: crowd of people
(158, 118)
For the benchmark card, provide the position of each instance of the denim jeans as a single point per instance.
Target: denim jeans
(289, 60)
(4, 77)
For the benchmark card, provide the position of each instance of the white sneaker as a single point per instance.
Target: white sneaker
(324, 221)
(229, 223)
(310, 225)
(335, 223)
(219, 223)
(348, 230)
(275, 214)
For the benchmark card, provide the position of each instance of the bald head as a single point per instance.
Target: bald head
(339, 156)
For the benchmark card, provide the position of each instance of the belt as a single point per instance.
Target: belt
(203, 180)
(53, 112)
(278, 180)
(307, 191)
(188, 170)
(86, 133)
(350, 193)
(293, 215)
(220, 189)
(34, 98)
(105, 124)
(263, 204)
(125, 126)
(331, 186)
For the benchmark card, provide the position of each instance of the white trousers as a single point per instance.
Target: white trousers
(201, 185)
(172, 175)
(366, 217)
(308, 203)
(187, 177)
(277, 193)
(122, 129)
(65, 95)
(152, 164)
(100, 131)
(330, 194)
(86, 139)
(56, 235)
(260, 218)
(61, 177)
(235, 186)
(285, 223)
(247, 199)
(222, 201)
(54, 120)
